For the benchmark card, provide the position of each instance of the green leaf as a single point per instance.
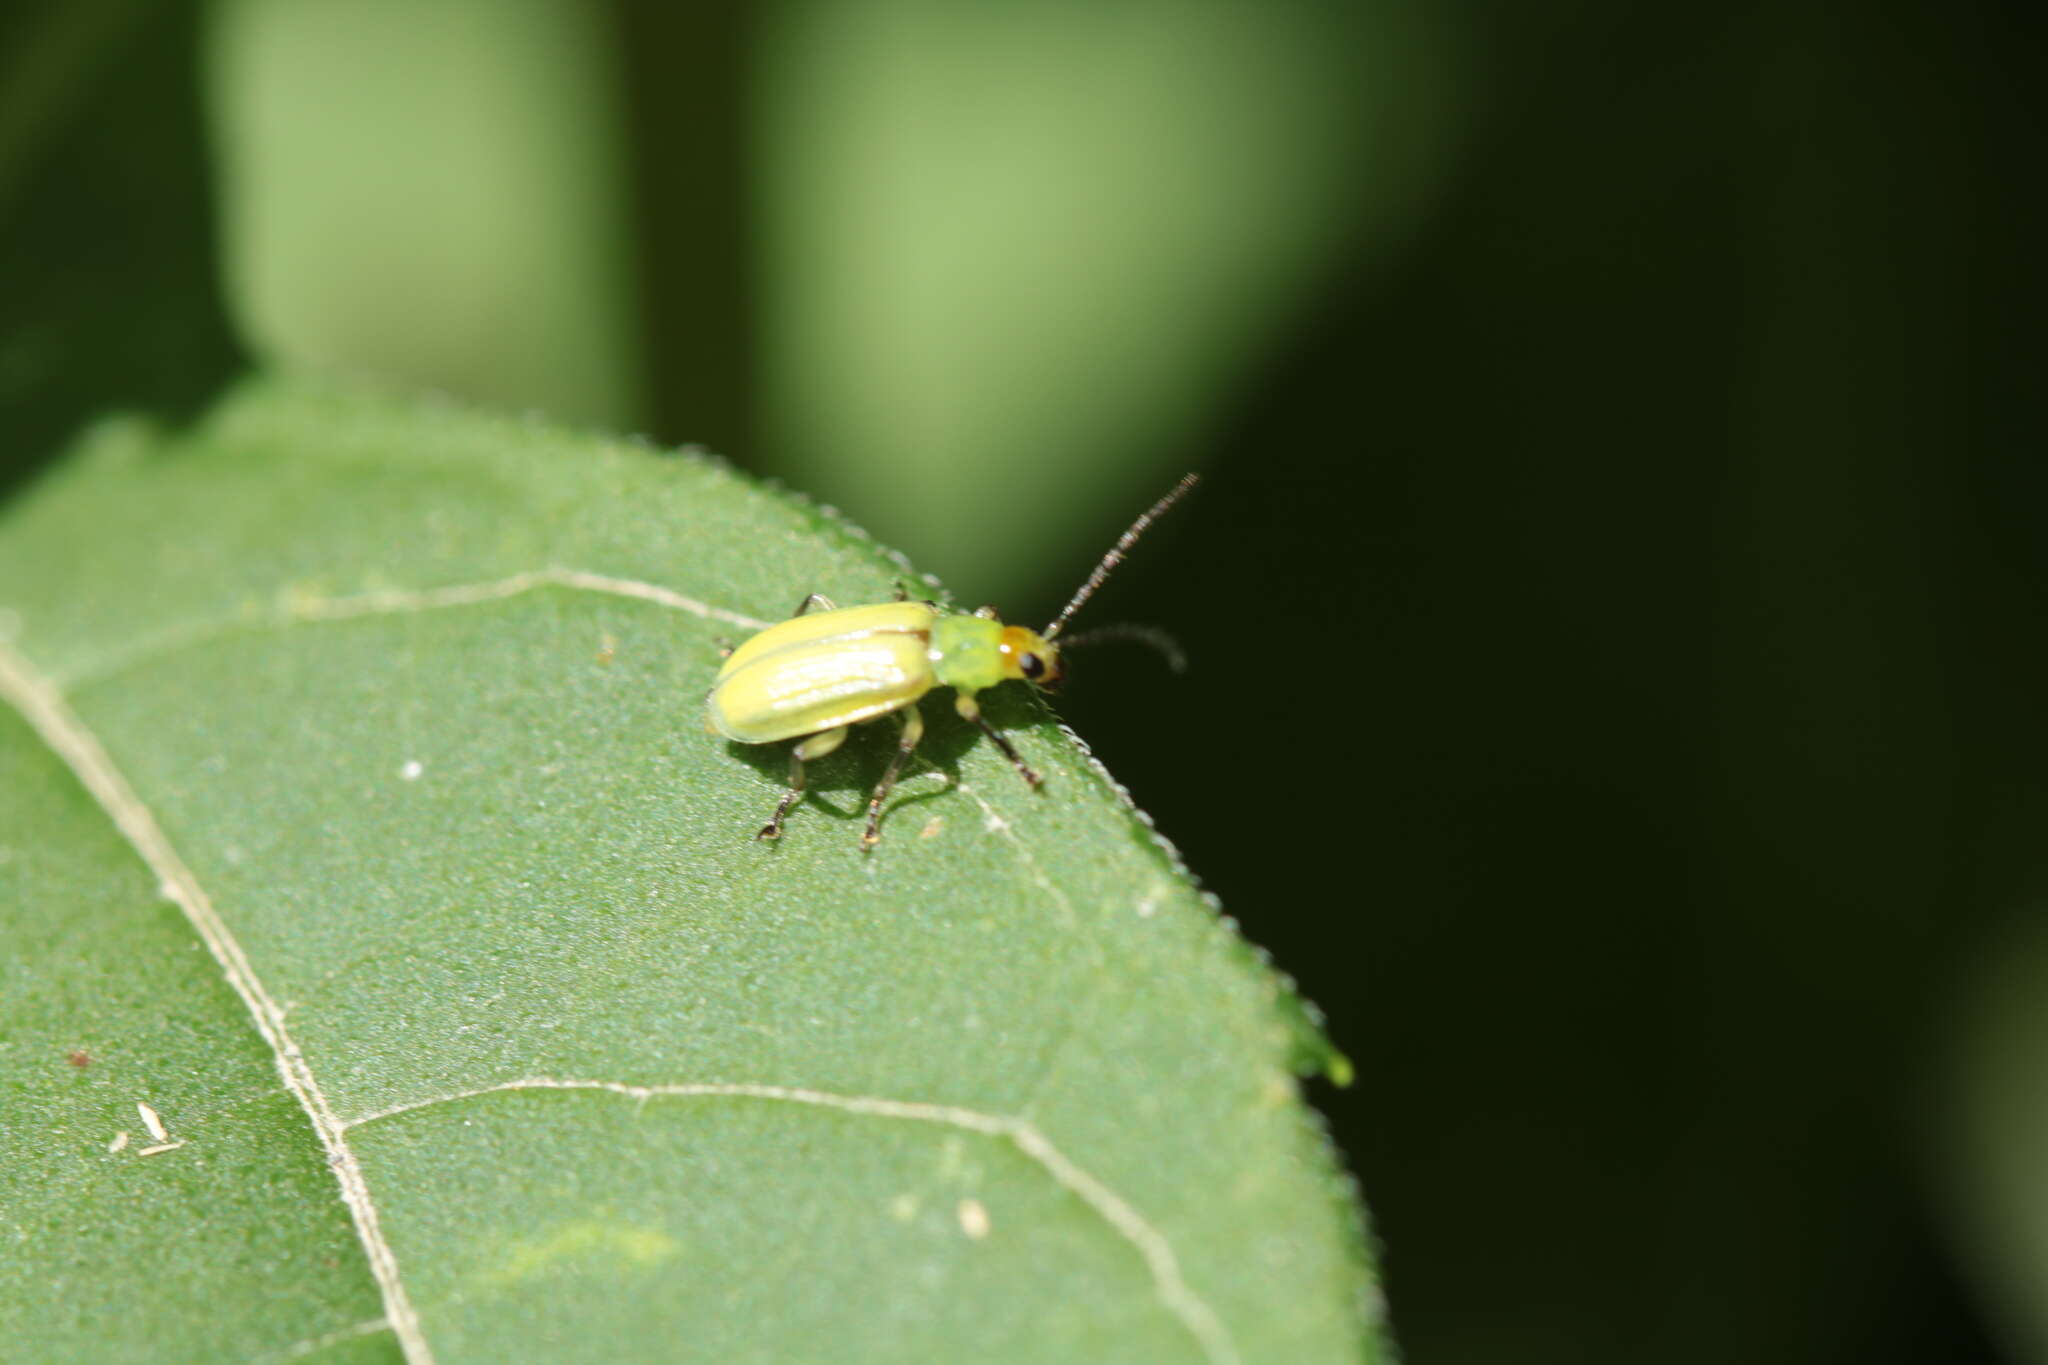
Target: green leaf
(359, 817)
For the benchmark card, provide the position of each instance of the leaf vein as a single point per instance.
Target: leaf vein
(292, 608)
(1172, 1288)
(44, 708)
(299, 1350)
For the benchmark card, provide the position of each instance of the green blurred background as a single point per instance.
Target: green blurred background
(1624, 527)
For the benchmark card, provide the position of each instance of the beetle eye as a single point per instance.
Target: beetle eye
(1031, 666)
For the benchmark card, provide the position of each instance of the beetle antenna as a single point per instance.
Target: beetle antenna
(1117, 551)
(1168, 647)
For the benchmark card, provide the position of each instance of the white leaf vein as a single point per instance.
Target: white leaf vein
(47, 713)
(292, 607)
(1168, 1282)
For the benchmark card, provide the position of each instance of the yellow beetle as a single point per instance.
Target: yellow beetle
(812, 676)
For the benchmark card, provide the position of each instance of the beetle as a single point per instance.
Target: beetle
(821, 671)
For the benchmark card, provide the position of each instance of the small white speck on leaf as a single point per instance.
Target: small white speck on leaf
(120, 1141)
(412, 770)
(1147, 908)
(903, 1207)
(932, 827)
(151, 1121)
(973, 1219)
(159, 1148)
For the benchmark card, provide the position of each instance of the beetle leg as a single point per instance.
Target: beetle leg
(817, 746)
(903, 595)
(968, 708)
(913, 731)
(814, 598)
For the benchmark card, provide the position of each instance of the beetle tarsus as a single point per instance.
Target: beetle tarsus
(814, 599)
(817, 746)
(913, 731)
(773, 829)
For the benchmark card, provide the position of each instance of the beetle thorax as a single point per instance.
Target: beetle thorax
(970, 653)
(967, 652)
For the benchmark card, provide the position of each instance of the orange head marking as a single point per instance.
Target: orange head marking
(1028, 655)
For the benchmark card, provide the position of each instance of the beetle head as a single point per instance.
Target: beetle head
(1028, 655)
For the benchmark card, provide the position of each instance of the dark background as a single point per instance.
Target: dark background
(1632, 577)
